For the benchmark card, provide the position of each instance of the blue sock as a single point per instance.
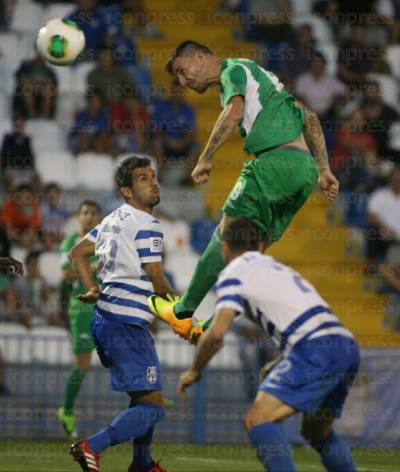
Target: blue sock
(335, 454)
(272, 447)
(130, 424)
(141, 450)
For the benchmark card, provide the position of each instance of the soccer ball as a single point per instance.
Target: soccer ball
(60, 42)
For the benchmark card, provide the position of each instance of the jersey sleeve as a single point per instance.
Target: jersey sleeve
(234, 82)
(229, 291)
(149, 242)
(92, 234)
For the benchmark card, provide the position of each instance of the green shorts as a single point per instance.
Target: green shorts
(80, 318)
(272, 188)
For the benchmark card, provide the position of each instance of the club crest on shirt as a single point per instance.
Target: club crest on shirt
(152, 374)
(237, 189)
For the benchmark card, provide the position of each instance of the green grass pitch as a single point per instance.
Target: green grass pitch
(51, 456)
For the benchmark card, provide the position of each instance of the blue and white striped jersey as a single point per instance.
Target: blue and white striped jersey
(277, 298)
(126, 239)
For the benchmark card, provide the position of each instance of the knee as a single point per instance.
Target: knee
(314, 435)
(256, 416)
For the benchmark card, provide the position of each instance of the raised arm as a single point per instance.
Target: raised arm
(315, 140)
(209, 344)
(227, 121)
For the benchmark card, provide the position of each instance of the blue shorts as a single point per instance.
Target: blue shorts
(316, 372)
(128, 351)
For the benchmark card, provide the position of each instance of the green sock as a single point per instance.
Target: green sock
(72, 388)
(205, 275)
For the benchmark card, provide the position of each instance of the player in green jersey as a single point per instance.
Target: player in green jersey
(80, 316)
(290, 157)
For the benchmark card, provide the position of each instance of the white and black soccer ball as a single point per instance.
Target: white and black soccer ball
(60, 42)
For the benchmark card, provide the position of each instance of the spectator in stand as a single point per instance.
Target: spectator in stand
(175, 145)
(298, 56)
(384, 218)
(21, 216)
(354, 154)
(130, 125)
(53, 217)
(319, 90)
(379, 117)
(33, 295)
(91, 128)
(92, 21)
(355, 58)
(390, 273)
(111, 81)
(137, 20)
(36, 91)
(17, 159)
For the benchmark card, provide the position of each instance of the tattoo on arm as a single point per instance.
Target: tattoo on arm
(223, 128)
(315, 139)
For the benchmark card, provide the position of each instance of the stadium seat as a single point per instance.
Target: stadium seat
(46, 135)
(5, 127)
(393, 58)
(9, 46)
(64, 78)
(80, 72)
(49, 267)
(18, 253)
(51, 345)
(389, 88)
(300, 7)
(15, 343)
(57, 166)
(28, 16)
(394, 136)
(95, 171)
(4, 107)
(330, 52)
(7, 76)
(57, 10)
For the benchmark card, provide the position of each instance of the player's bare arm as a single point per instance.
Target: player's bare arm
(155, 271)
(226, 123)
(208, 345)
(315, 139)
(80, 257)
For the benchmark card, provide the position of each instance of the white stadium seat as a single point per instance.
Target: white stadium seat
(300, 7)
(46, 135)
(389, 88)
(5, 127)
(18, 253)
(7, 76)
(330, 52)
(28, 16)
(49, 267)
(79, 77)
(95, 171)
(51, 345)
(57, 10)
(15, 343)
(393, 58)
(57, 166)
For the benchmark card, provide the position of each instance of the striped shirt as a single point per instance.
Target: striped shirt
(125, 240)
(277, 298)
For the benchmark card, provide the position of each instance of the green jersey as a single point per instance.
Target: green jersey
(77, 287)
(271, 117)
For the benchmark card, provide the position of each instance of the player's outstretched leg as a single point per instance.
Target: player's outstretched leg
(334, 453)
(266, 435)
(133, 423)
(177, 312)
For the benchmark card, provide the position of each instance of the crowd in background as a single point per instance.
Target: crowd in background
(354, 92)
